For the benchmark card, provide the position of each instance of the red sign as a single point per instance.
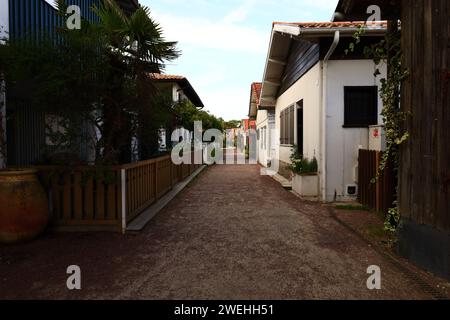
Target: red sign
(376, 133)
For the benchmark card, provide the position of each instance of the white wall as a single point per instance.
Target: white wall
(308, 89)
(262, 123)
(265, 123)
(342, 143)
(175, 92)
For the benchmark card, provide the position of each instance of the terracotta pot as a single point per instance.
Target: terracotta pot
(23, 206)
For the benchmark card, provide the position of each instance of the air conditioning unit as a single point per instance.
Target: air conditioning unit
(377, 138)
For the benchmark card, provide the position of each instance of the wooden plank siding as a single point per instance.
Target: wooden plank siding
(379, 196)
(424, 193)
(425, 158)
(303, 55)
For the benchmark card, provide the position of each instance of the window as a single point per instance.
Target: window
(287, 129)
(300, 132)
(263, 138)
(361, 106)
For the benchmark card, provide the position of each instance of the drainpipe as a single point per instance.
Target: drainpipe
(323, 117)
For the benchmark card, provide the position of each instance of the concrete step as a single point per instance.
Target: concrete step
(285, 183)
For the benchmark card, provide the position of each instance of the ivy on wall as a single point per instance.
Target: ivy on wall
(389, 51)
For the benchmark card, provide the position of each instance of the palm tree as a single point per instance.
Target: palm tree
(95, 77)
(136, 48)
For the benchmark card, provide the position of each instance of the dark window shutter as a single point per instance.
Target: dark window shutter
(291, 125)
(286, 126)
(282, 127)
(360, 106)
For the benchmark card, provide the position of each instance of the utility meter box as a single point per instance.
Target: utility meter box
(377, 138)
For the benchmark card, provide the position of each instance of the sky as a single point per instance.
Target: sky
(224, 43)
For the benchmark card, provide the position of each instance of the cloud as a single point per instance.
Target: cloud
(225, 43)
(229, 104)
(241, 13)
(321, 4)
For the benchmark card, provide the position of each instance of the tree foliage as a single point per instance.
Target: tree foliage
(389, 51)
(93, 81)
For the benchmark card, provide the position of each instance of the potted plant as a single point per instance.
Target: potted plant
(24, 211)
(305, 180)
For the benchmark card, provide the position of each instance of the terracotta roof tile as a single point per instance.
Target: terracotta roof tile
(336, 24)
(256, 91)
(161, 76)
(183, 82)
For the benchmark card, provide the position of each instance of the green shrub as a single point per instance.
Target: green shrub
(304, 166)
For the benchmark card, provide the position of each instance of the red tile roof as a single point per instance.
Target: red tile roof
(183, 82)
(256, 92)
(337, 24)
(160, 76)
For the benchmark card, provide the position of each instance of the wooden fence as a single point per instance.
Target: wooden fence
(108, 197)
(381, 195)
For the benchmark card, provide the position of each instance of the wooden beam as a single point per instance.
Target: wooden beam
(266, 107)
(273, 83)
(276, 61)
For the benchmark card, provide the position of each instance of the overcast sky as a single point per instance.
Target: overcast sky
(224, 43)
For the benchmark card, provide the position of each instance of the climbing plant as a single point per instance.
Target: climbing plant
(388, 50)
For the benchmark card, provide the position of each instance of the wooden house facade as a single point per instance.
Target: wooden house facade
(424, 173)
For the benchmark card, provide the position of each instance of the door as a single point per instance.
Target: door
(300, 126)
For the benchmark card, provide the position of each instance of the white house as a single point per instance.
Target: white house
(180, 89)
(265, 126)
(324, 98)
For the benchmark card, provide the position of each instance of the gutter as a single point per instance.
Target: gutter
(323, 116)
(296, 31)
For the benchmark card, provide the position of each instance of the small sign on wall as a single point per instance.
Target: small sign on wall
(377, 139)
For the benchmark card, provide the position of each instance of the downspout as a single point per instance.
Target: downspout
(323, 116)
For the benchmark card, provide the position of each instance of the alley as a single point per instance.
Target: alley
(232, 234)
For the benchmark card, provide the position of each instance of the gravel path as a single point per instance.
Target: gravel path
(232, 234)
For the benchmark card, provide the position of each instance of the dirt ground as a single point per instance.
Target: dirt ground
(232, 234)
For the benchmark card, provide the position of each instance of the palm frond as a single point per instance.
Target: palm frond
(147, 35)
(113, 21)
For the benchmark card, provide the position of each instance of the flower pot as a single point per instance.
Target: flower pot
(24, 206)
(306, 185)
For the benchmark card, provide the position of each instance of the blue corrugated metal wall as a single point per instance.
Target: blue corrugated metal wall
(26, 126)
(35, 16)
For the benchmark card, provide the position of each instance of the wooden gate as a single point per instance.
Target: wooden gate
(380, 195)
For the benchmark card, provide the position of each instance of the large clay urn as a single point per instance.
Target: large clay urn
(23, 206)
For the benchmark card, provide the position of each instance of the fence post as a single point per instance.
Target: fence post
(123, 178)
(156, 180)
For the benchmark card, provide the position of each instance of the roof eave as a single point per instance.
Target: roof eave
(291, 31)
(187, 88)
